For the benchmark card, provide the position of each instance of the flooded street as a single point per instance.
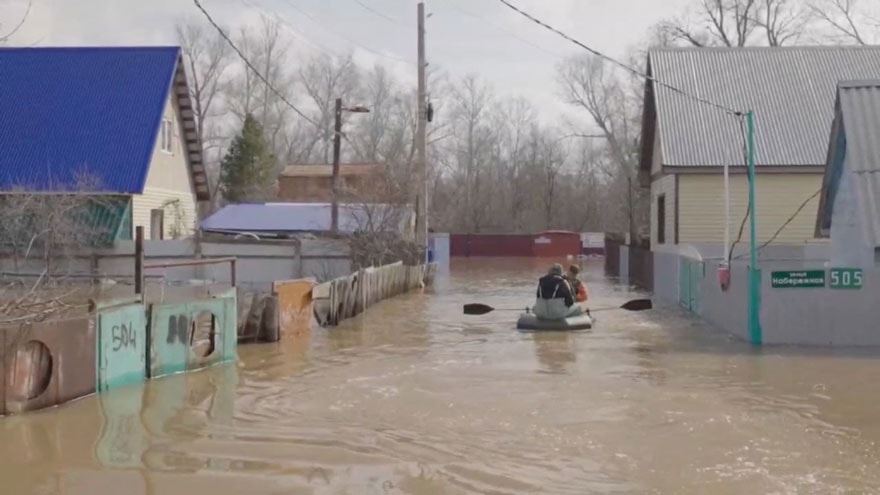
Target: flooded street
(414, 397)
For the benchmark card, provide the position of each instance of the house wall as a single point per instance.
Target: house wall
(777, 198)
(848, 245)
(169, 184)
(664, 186)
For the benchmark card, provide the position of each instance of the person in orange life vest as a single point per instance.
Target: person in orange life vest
(577, 286)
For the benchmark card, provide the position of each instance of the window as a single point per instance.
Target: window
(661, 219)
(166, 135)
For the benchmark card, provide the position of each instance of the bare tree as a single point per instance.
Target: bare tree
(475, 136)
(614, 104)
(207, 55)
(324, 79)
(4, 36)
(46, 242)
(738, 23)
(247, 93)
(849, 20)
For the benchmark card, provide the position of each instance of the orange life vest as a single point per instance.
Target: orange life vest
(581, 291)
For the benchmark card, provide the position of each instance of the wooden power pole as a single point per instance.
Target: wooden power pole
(337, 144)
(421, 236)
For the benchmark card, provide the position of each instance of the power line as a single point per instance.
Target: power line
(621, 64)
(280, 20)
(336, 33)
(378, 13)
(251, 66)
(499, 28)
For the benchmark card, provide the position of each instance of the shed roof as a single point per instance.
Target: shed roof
(305, 217)
(790, 89)
(74, 111)
(854, 147)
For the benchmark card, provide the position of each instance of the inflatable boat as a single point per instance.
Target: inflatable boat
(528, 321)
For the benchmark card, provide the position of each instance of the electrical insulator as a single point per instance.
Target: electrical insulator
(429, 113)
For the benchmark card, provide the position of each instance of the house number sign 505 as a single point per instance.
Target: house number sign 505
(845, 278)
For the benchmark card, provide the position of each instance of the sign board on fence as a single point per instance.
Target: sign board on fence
(845, 278)
(802, 279)
(593, 239)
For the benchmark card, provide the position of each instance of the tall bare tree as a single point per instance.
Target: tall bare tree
(6, 34)
(850, 21)
(207, 55)
(738, 23)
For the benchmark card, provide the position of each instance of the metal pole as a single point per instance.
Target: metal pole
(337, 143)
(755, 334)
(421, 236)
(139, 259)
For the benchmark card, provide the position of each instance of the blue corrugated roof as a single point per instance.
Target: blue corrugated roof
(305, 217)
(97, 110)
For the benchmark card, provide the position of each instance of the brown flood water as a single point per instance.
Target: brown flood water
(415, 398)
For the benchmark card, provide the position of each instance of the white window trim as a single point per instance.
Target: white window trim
(166, 136)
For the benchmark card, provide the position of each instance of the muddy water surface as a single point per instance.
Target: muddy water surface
(414, 397)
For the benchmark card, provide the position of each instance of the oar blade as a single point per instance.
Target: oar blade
(638, 305)
(477, 309)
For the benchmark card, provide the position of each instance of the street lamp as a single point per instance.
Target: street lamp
(337, 144)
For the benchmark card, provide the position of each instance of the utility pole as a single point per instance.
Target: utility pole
(337, 143)
(421, 236)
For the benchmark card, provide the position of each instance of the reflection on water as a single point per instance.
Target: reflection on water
(414, 397)
(555, 350)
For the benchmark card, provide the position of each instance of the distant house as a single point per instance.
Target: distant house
(849, 207)
(686, 143)
(314, 183)
(120, 116)
(291, 219)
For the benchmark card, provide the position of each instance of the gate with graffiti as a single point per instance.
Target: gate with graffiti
(192, 335)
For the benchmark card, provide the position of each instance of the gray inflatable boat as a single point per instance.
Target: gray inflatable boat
(528, 321)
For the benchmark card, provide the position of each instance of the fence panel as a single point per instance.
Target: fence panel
(122, 343)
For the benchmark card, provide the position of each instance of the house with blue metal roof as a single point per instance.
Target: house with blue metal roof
(849, 206)
(122, 117)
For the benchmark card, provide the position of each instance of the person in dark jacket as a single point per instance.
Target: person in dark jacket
(554, 297)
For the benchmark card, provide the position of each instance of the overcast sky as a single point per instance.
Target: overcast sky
(463, 36)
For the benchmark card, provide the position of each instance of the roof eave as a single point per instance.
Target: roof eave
(191, 140)
(819, 231)
(649, 128)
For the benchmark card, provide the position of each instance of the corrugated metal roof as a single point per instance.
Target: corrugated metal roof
(73, 110)
(323, 170)
(860, 113)
(306, 217)
(790, 89)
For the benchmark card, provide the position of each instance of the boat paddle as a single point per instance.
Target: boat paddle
(633, 305)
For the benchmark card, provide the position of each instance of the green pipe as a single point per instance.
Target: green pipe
(755, 334)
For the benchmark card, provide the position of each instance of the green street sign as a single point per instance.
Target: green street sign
(845, 278)
(809, 279)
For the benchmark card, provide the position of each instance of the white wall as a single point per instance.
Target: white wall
(169, 185)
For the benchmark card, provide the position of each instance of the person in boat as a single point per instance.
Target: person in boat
(578, 287)
(555, 299)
